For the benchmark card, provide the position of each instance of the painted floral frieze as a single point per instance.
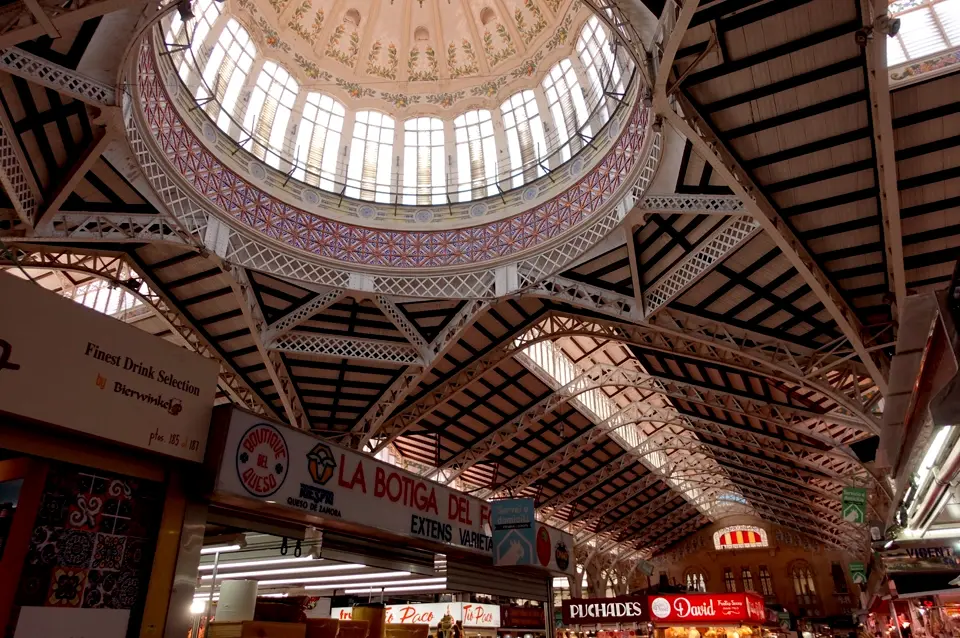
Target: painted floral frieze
(494, 55)
(334, 50)
(425, 69)
(469, 67)
(380, 66)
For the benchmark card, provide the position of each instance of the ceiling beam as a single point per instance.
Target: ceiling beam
(53, 76)
(300, 315)
(62, 21)
(695, 128)
(881, 107)
(691, 204)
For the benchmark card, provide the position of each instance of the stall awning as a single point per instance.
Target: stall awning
(918, 584)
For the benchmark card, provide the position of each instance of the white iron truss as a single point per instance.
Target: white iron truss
(319, 345)
(694, 204)
(300, 315)
(63, 80)
(100, 227)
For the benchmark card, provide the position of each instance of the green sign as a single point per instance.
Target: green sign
(784, 618)
(858, 573)
(855, 504)
(645, 567)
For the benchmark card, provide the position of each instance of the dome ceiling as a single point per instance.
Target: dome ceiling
(397, 50)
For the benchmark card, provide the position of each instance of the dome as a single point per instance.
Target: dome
(378, 134)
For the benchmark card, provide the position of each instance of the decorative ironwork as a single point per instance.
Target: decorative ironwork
(67, 81)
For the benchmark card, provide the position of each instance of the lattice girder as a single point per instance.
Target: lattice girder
(693, 204)
(317, 345)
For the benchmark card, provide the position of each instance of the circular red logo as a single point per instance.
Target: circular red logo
(543, 546)
(262, 460)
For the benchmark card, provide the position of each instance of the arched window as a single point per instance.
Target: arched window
(226, 71)
(729, 581)
(371, 152)
(318, 140)
(747, 577)
(566, 104)
(476, 154)
(524, 131)
(803, 585)
(740, 537)
(603, 68)
(268, 114)
(695, 580)
(193, 33)
(766, 583)
(423, 157)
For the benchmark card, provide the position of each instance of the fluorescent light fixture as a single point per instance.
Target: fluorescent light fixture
(258, 563)
(198, 606)
(378, 585)
(946, 532)
(335, 581)
(284, 572)
(932, 453)
(888, 545)
(220, 549)
(387, 590)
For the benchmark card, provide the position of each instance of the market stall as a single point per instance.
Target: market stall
(740, 615)
(618, 617)
(101, 424)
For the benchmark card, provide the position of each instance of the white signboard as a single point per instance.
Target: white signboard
(291, 468)
(470, 614)
(66, 622)
(71, 366)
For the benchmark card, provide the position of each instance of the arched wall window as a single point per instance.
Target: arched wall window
(318, 140)
(803, 584)
(695, 580)
(268, 113)
(747, 577)
(740, 537)
(193, 33)
(566, 104)
(476, 154)
(524, 131)
(226, 71)
(423, 161)
(371, 154)
(766, 582)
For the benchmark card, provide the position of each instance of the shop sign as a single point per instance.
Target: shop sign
(858, 573)
(707, 608)
(601, 611)
(514, 535)
(470, 614)
(645, 567)
(855, 504)
(522, 617)
(920, 556)
(109, 379)
(290, 468)
(784, 619)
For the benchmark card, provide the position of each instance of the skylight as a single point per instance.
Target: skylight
(926, 27)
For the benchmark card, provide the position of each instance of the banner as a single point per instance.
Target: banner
(854, 504)
(73, 367)
(604, 611)
(290, 468)
(514, 535)
(470, 614)
(703, 609)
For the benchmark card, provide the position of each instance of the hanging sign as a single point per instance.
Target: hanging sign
(701, 609)
(784, 618)
(111, 380)
(855, 504)
(858, 573)
(645, 567)
(514, 535)
(604, 611)
(290, 468)
(522, 617)
(469, 614)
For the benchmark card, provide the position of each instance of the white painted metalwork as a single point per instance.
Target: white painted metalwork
(301, 314)
(712, 250)
(587, 296)
(304, 343)
(67, 81)
(13, 177)
(694, 204)
(397, 318)
(109, 227)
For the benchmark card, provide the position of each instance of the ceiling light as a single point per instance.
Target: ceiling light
(283, 572)
(387, 590)
(198, 606)
(378, 585)
(258, 563)
(425, 588)
(219, 549)
(335, 581)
